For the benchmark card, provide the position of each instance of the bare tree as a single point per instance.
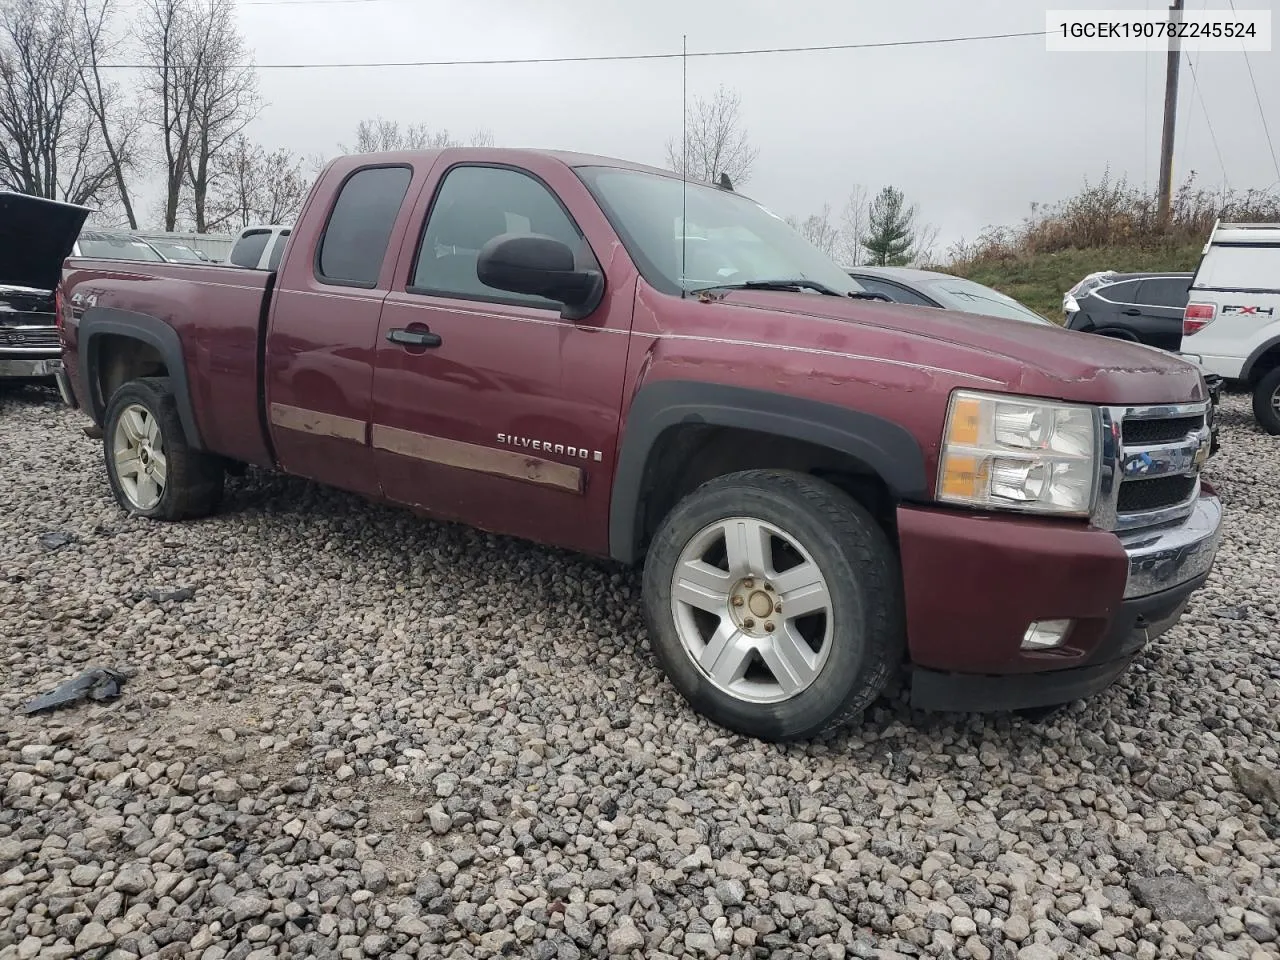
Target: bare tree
(49, 144)
(205, 92)
(223, 94)
(853, 226)
(254, 186)
(381, 135)
(716, 141)
(818, 229)
(162, 32)
(925, 251)
(118, 124)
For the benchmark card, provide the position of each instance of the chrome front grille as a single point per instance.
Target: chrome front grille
(44, 337)
(1151, 462)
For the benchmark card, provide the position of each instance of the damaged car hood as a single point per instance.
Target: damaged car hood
(36, 235)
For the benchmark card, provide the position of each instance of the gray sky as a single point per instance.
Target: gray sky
(973, 132)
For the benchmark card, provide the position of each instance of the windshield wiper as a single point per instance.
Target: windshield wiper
(797, 284)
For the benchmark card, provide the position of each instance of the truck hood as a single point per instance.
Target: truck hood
(36, 235)
(1045, 360)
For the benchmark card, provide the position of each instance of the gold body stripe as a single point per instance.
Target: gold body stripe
(472, 456)
(421, 446)
(317, 423)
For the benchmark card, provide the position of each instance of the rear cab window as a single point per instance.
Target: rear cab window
(277, 250)
(354, 244)
(248, 249)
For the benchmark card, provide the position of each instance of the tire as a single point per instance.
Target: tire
(142, 420)
(1266, 402)
(777, 690)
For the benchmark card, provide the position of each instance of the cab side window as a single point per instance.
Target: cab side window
(359, 228)
(474, 204)
(1164, 291)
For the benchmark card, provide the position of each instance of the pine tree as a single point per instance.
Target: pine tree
(891, 232)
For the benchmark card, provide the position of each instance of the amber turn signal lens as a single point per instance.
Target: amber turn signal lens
(966, 415)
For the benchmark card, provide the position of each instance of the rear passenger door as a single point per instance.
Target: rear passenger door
(324, 325)
(1160, 304)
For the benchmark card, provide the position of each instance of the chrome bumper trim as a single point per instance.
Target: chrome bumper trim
(1170, 556)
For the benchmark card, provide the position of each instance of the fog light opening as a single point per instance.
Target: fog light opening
(1045, 634)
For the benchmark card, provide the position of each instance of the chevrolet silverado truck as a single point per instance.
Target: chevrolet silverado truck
(822, 489)
(35, 236)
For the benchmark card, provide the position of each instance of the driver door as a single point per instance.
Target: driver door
(489, 407)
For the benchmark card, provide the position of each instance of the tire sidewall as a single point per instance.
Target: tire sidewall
(144, 395)
(1263, 396)
(848, 664)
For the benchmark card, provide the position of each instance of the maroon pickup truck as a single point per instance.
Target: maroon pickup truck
(822, 488)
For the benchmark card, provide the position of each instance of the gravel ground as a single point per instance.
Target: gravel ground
(356, 733)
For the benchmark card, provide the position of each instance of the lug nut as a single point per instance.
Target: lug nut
(768, 627)
(777, 607)
(769, 587)
(749, 582)
(737, 601)
(748, 623)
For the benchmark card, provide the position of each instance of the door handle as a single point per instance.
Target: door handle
(414, 338)
(1132, 312)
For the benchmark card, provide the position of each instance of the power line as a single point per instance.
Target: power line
(1261, 113)
(1195, 85)
(611, 58)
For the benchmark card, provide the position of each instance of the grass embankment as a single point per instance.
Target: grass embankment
(1109, 225)
(1040, 279)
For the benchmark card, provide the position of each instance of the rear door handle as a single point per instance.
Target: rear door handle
(1132, 312)
(414, 338)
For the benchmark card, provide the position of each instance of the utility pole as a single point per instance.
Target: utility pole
(1170, 115)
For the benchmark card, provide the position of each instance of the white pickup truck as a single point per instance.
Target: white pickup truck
(1231, 325)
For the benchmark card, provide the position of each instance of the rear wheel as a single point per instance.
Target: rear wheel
(773, 604)
(1266, 402)
(152, 470)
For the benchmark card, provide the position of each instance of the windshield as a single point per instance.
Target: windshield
(957, 294)
(727, 239)
(116, 248)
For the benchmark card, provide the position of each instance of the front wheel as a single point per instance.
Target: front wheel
(1266, 402)
(153, 472)
(773, 603)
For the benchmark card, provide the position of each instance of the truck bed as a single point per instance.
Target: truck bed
(217, 312)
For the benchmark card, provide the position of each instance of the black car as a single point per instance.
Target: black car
(1142, 307)
(36, 235)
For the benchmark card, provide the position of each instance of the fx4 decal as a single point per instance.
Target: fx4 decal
(1249, 311)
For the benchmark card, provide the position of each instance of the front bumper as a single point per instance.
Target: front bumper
(974, 583)
(23, 365)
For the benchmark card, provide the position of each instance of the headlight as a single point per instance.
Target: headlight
(1002, 452)
(1069, 304)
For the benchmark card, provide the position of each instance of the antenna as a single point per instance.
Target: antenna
(684, 161)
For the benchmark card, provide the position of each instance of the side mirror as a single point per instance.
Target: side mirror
(542, 267)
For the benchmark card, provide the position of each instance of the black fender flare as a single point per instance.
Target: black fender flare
(97, 322)
(884, 446)
(1247, 370)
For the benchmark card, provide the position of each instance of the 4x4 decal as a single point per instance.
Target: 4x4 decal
(1249, 311)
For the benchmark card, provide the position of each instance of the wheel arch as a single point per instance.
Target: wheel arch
(678, 430)
(1261, 361)
(105, 332)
